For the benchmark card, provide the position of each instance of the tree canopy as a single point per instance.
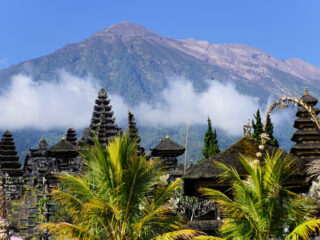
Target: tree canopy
(269, 129)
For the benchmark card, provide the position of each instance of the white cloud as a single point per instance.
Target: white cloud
(70, 101)
(181, 104)
(45, 105)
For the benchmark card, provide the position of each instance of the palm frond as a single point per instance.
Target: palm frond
(304, 230)
(184, 234)
(67, 231)
(120, 195)
(208, 238)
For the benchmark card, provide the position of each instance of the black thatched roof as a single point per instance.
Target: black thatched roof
(303, 133)
(167, 145)
(247, 147)
(303, 120)
(303, 110)
(63, 146)
(306, 146)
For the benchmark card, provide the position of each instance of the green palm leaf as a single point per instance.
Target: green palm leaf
(120, 195)
(304, 230)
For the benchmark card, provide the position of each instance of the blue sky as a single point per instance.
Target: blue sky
(283, 28)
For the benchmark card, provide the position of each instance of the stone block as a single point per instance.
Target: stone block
(31, 221)
(23, 223)
(33, 212)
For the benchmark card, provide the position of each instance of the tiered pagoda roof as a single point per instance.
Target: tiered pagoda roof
(101, 131)
(307, 136)
(168, 151)
(72, 136)
(9, 159)
(102, 114)
(132, 128)
(64, 147)
(167, 147)
(133, 131)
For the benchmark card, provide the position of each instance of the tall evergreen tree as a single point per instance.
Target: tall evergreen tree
(269, 129)
(257, 126)
(211, 147)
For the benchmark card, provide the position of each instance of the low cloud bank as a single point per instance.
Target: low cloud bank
(70, 101)
(181, 104)
(45, 105)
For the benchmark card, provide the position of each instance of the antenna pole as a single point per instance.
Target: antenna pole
(186, 152)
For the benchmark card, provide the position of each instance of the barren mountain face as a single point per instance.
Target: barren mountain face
(241, 59)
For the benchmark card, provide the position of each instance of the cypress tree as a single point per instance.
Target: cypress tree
(269, 129)
(257, 126)
(211, 147)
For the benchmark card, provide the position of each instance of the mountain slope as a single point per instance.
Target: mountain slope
(136, 63)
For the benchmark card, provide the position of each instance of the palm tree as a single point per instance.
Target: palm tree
(120, 195)
(262, 207)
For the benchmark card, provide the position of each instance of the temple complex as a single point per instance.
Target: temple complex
(306, 137)
(44, 163)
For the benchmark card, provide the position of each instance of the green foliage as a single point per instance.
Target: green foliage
(211, 147)
(262, 206)
(119, 196)
(24, 226)
(42, 208)
(15, 206)
(269, 129)
(257, 126)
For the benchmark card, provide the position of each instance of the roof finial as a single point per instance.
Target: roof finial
(63, 138)
(102, 93)
(306, 91)
(167, 136)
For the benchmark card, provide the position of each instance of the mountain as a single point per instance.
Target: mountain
(137, 64)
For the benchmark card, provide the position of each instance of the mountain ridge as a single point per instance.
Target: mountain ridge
(130, 51)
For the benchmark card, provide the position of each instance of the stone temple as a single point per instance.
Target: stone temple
(30, 185)
(38, 176)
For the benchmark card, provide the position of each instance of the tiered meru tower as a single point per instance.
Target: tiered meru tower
(133, 132)
(9, 159)
(72, 136)
(103, 122)
(307, 136)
